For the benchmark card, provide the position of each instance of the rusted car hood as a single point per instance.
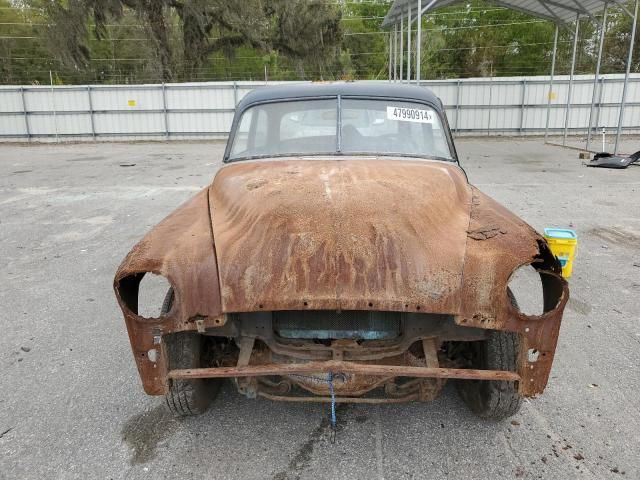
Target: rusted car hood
(388, 234)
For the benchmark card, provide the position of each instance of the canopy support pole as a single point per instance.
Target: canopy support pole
(603, 28)
(573, 71)
(408, 42)
(401, 47)
(626, 78)
(395, 53)
(553, 72)
(390, 54)
(419, 43)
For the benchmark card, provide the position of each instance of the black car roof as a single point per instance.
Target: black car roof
(364, 89)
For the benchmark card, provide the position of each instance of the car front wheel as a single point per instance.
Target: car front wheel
(494, 400)
(185, 350)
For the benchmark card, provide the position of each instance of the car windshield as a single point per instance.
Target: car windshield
(310, 127)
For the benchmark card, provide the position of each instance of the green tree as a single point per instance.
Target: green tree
(364, 46)
(22, 55)
(138, 41)
(182, 34)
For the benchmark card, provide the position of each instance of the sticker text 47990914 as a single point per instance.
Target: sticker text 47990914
(405, 114)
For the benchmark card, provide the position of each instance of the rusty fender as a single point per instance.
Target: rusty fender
(181, 249)
(498, 243)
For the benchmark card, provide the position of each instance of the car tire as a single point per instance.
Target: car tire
(494, 400)
(184, 350)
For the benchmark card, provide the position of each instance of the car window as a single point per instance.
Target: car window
(287, 128)
(260, 136)
(367, 126)
(381, 126)
(241, 137)
(251, 133)
(310, 119)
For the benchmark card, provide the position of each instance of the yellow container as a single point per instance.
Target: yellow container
(563, 243)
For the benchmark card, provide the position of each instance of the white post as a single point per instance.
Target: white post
(409, 43)
(25, 113)
(53, 103)
(490, 99)
(395, 52)
(401, 45)
(93, 127)
(626, 79)
(390, 53)
(164, 111)
(573, 71)
(603, 28)
(419, 43)
(553, 71)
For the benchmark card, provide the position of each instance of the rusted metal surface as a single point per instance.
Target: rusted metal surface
(345, 383)
(417, 389)
(371, 401)
(344, 367)
(416, 326)
(181, 249)
(489, 263)
(343, 234)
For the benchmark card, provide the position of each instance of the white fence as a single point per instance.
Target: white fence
(504, 106)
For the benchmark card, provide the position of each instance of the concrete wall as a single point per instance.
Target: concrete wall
(504, 106)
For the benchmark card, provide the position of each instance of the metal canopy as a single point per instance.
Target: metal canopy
(559, 11)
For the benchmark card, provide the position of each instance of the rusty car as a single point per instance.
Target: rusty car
(341, 239)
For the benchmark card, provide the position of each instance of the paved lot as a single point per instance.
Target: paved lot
(71, 405)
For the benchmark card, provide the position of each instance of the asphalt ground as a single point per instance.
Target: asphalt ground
(71, 404)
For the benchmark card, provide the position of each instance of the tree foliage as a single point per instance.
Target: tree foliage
(138, 41)
(182, 34)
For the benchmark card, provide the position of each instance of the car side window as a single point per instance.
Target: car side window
(241, 138)
(252, 133)
(261, 127)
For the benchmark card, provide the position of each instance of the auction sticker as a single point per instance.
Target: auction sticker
(404, 114)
